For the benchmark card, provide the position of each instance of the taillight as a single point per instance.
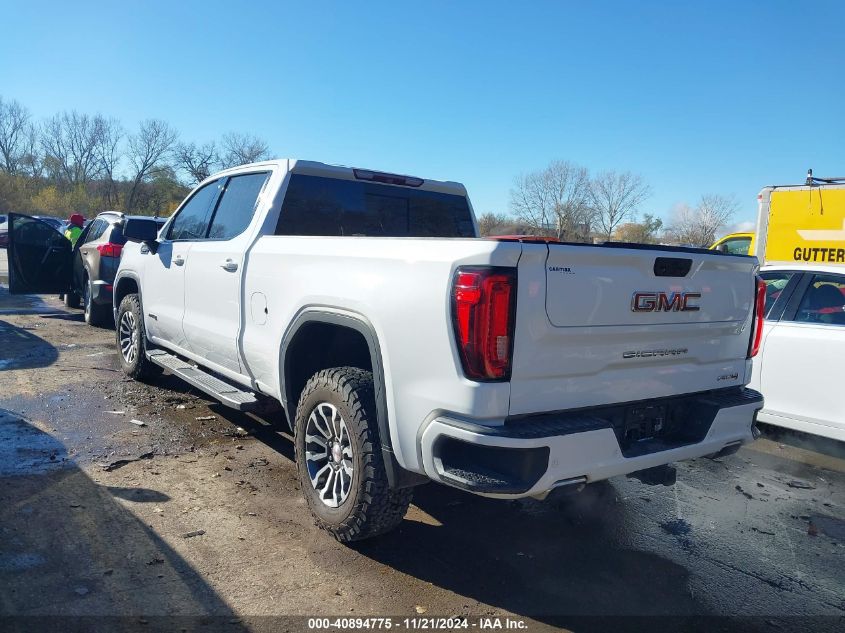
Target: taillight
(483, 314)
(757, 324)
(110, 250)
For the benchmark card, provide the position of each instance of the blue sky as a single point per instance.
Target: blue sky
(697, 97)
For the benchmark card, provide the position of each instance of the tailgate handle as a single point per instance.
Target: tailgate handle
(672, 266)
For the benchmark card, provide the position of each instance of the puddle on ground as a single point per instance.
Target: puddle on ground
(829, 526)
(23, 304)
(676, 527)
(20, 561)
(26, 450)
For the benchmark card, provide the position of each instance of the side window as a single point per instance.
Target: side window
(192, 221)
(823, 301)
(775, 284)
(94, 231)
(236, 207)
(32, 232)
(735, 246)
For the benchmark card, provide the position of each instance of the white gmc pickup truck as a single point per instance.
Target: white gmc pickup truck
(402, 348)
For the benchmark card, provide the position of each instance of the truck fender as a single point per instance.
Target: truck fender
(398, 477)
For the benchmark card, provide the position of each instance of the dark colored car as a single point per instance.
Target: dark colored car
(4, 230)
(57, 223)
(41, 260)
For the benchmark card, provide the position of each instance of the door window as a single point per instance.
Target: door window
(735, 246)
(39, 257)
(776, 283)
(823, 301)
(95, 231)
(191, 223)
(32, 232)
(237, 206)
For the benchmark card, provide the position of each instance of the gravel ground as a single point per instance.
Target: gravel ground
(203, 517)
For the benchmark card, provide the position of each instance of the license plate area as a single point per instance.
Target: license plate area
(644, 422)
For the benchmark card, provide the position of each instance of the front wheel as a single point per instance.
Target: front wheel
(339, 460)
(132, 340)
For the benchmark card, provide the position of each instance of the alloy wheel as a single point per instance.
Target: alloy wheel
(328, 454)
(127, 337)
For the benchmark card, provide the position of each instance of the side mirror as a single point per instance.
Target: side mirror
(140, 229)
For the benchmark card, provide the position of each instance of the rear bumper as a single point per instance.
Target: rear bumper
(101, 292)
(531, 455)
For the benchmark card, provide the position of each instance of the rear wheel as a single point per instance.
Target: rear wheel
(132, 340)
(71, 299)
(339, 460)
(95, 314)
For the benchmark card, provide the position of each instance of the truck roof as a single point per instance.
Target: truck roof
(343, 172)
(805, 186)
(804, 267)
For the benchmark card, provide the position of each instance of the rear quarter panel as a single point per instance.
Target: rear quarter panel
(401, 288)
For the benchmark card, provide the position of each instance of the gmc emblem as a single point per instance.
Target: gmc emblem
(664, 302)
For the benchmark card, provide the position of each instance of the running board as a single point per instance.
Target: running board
(218, 389)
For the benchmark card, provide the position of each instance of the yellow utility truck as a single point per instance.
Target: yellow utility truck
(801, 223)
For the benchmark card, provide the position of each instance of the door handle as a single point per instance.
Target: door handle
(178, 260)
(229, 266)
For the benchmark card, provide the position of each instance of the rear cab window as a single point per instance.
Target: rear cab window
(315, 205)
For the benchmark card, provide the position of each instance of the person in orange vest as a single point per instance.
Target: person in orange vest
(74, 229)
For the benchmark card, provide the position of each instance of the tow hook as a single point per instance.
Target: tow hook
(665, 475)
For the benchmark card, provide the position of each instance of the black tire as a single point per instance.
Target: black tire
(71, 299)
(98, 315)
(371, 507)
(136, 365)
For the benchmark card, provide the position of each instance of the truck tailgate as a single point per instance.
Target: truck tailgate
(598, 325)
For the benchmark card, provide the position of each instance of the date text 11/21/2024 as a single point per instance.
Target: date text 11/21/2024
(417, 623)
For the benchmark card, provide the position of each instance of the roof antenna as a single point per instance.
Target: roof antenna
(809, 176)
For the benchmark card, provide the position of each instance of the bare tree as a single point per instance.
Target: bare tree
(554, 200)
(71, 142)
(698, 226)
(32, 161)
(15, 127)
(615, 197)
(489, 222)
(109, 153)
(240, 149)
(197, 161)
(148, 150)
